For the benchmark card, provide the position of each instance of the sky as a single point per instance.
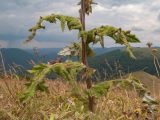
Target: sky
(142, 17)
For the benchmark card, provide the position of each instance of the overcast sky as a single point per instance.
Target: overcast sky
(17, 16)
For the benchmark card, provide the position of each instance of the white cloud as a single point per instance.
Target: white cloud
(99, 8)
(141, 16)
(43, 44)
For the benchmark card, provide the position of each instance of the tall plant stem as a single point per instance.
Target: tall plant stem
(4, 68)
(91, 100)
(156, 66)
(82, 17)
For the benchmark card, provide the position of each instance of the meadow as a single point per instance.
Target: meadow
(75, 94)
(59, 104)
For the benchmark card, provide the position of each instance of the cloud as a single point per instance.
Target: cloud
(3, 44)
(16, 16)
(135, 28)
(158, 17)
(156, 31)
(43, 44)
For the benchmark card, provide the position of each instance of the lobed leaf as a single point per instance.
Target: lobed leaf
(67, 70)
(100, 89)
(120, 36)
(72, 23)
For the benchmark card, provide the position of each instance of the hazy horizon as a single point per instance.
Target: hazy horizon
(92, 47)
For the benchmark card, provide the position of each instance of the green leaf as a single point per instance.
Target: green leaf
(100, 89)
(29, 93)
(42, 87)
(67, 70)
(51, 117)
(72, 23)
(37, 68)
(120, 36)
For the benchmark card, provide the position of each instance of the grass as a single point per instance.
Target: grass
(151, 82)
(118, 104)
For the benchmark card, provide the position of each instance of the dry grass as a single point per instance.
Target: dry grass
(151, 82)
(116, 105)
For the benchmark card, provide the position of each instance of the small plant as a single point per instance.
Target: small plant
(154, 53)
(69, 70)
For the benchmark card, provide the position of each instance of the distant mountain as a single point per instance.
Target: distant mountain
(44, 54)
(48, 51)
(52, 53)
(100, 51)
(109, 62)
(118, 62)
(44, 50)
(14, 56)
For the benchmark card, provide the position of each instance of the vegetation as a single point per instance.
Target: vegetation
(110, 64)
(144, 60)
(82, 50)
(74, 96)
(60, 104)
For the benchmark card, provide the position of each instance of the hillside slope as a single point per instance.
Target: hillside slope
(151, 82)
(118, 60)
(16, 56)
